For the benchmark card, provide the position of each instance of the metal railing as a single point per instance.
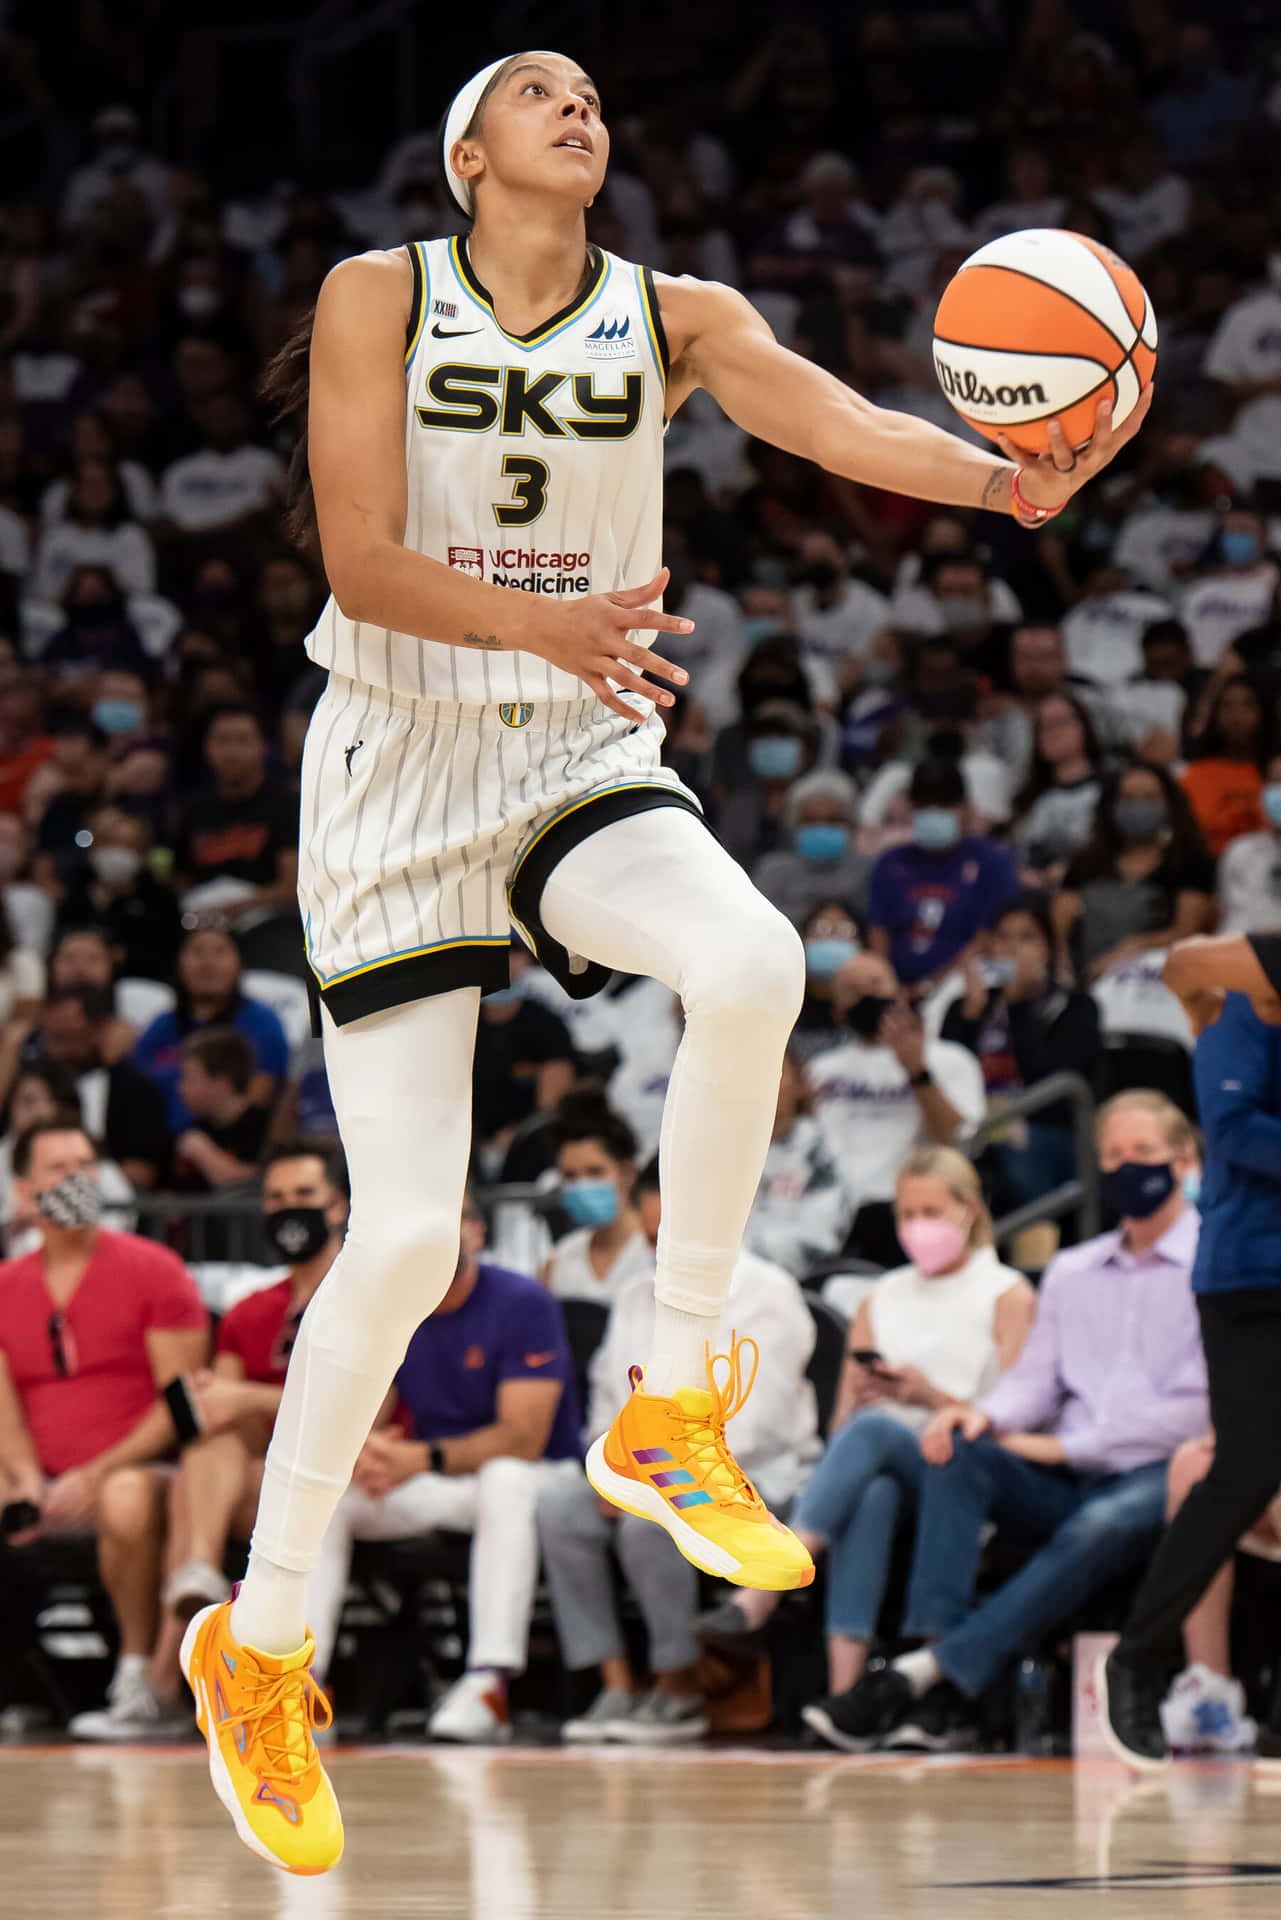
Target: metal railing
(1079, 1196)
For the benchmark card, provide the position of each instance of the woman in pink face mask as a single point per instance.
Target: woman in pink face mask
(937, 1330)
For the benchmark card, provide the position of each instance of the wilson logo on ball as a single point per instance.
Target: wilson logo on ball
(960, 384)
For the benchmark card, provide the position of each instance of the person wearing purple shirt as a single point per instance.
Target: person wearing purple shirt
(927, 900)
(487, 1384)
(1068, 1451)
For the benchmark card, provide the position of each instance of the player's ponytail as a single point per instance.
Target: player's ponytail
(284, 386)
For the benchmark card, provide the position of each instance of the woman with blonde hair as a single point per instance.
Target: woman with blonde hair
(937, 1330)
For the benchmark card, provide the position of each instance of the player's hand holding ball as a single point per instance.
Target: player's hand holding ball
(1045, 341)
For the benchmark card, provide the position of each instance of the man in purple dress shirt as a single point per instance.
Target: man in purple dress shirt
(1068, 1452)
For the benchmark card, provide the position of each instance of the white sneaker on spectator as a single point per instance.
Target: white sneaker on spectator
(607, 1713)
(135, 1712)
(1205, 1713)
(193, 1585)
(473, 1713)
(665, 1720)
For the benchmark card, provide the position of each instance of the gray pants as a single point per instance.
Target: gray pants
(576, 1539)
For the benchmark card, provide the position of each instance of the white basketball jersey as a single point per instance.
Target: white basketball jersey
(534, 463)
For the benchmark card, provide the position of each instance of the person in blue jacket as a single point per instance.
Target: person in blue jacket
(1231, 988)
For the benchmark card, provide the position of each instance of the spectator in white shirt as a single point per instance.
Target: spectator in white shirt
(118, 158)
(835, 617)
(774, 1434)
(884, 1091)
(229, 480)
(1055, 810)
(93, 438)
(1103, 633)
(714, 653)
(940, 1329)
(1149, 203)
(1245, 352)
(1249, 884)
(1234, 588)
(802, 1210)
(596, 1160)
(97, 532)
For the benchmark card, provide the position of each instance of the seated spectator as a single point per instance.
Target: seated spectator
(523, 1063)
(39, 1093)
(120, 1105)
(1069, 1449)
(84, 957)
(487, 1390)
(93, 437)
(215, 1491)
(1054, 812)
(114, 887)
(770, 674)
(93, 1326)
(98, 635)
(1229, 756)
(72, 783)
(1038, 669)
(209, 995)
(596, 1160)
(228, 480)
(1144, 881)
(1250, 870)
(243, 826)
(782, 744)
(305, 1109)
(835, 616)
(1168, 661)
(28, 907)
(884, 1091)
(774, 1434)
(934, 1332)
(802, 1210)
(1103, 633)
(97, 532)
(831, 938)
(1023, 1026)
(944, 725)
(1233, 588)
(929, 899)
(1146, 203)
(962, 605)
(821, 864)
(25, 744)
(1204, 1711)
(714, 653)
(215, 1084)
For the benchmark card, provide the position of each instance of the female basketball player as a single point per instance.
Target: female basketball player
(487, 414)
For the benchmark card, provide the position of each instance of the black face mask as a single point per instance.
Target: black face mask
(1136, 1189)
(296, 1233)
(864, 1017)
(821, 574)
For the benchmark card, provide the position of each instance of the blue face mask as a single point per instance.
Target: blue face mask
(1192, 1186)
(118, 716)
(997, 973)
(590, 1203)
(822, 840)
(774, 757)
(1137, 1189)
(761, 626)
(935, 829)
(824, 957)
(1272, 804)
(1239, 547)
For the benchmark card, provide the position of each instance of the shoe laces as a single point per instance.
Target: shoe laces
(702, 1427)
(280, 1721)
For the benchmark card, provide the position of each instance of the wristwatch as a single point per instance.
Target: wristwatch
(436, 1457)
(922, 1079)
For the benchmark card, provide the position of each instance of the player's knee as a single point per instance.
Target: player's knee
(757, 971)
(414, 1243)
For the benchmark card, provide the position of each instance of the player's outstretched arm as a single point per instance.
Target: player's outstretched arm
(719, 341)
(356, 446)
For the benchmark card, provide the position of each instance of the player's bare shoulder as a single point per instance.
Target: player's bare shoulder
(696, 315)
(378, 286)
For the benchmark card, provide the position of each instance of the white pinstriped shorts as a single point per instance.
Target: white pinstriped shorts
(428, 829)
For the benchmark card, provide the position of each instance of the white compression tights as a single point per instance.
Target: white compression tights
(655, 895)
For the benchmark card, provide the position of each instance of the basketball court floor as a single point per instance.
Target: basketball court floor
(532, 1834)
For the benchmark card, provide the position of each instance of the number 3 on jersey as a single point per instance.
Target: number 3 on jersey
(529, 495)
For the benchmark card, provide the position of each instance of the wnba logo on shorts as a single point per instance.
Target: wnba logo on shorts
(516, 713)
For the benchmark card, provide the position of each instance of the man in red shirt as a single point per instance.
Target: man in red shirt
(93, 1325)
(215, 1495)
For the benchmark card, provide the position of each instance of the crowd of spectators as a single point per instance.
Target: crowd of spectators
(990, 777)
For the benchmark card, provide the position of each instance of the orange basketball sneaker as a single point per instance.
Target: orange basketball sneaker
(668, 1461)
(257, 1713)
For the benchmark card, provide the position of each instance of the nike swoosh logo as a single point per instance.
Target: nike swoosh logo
(538, 1359)
(452, 333)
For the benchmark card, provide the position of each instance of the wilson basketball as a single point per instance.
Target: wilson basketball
(1043, 323)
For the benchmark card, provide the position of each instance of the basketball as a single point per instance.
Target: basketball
(1043, 323)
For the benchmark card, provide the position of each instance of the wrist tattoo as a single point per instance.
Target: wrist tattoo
(996, 489)
(482, 640)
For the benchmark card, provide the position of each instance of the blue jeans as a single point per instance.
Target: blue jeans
(870, 1474)
(1089, 1527)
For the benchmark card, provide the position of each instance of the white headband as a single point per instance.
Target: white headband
(457, 121)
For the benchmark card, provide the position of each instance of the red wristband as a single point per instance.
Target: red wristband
(1024, 512)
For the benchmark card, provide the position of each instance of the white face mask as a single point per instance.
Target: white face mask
(115, 866)
(198, 302)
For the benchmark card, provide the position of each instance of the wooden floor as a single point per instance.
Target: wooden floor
(534, 1835)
